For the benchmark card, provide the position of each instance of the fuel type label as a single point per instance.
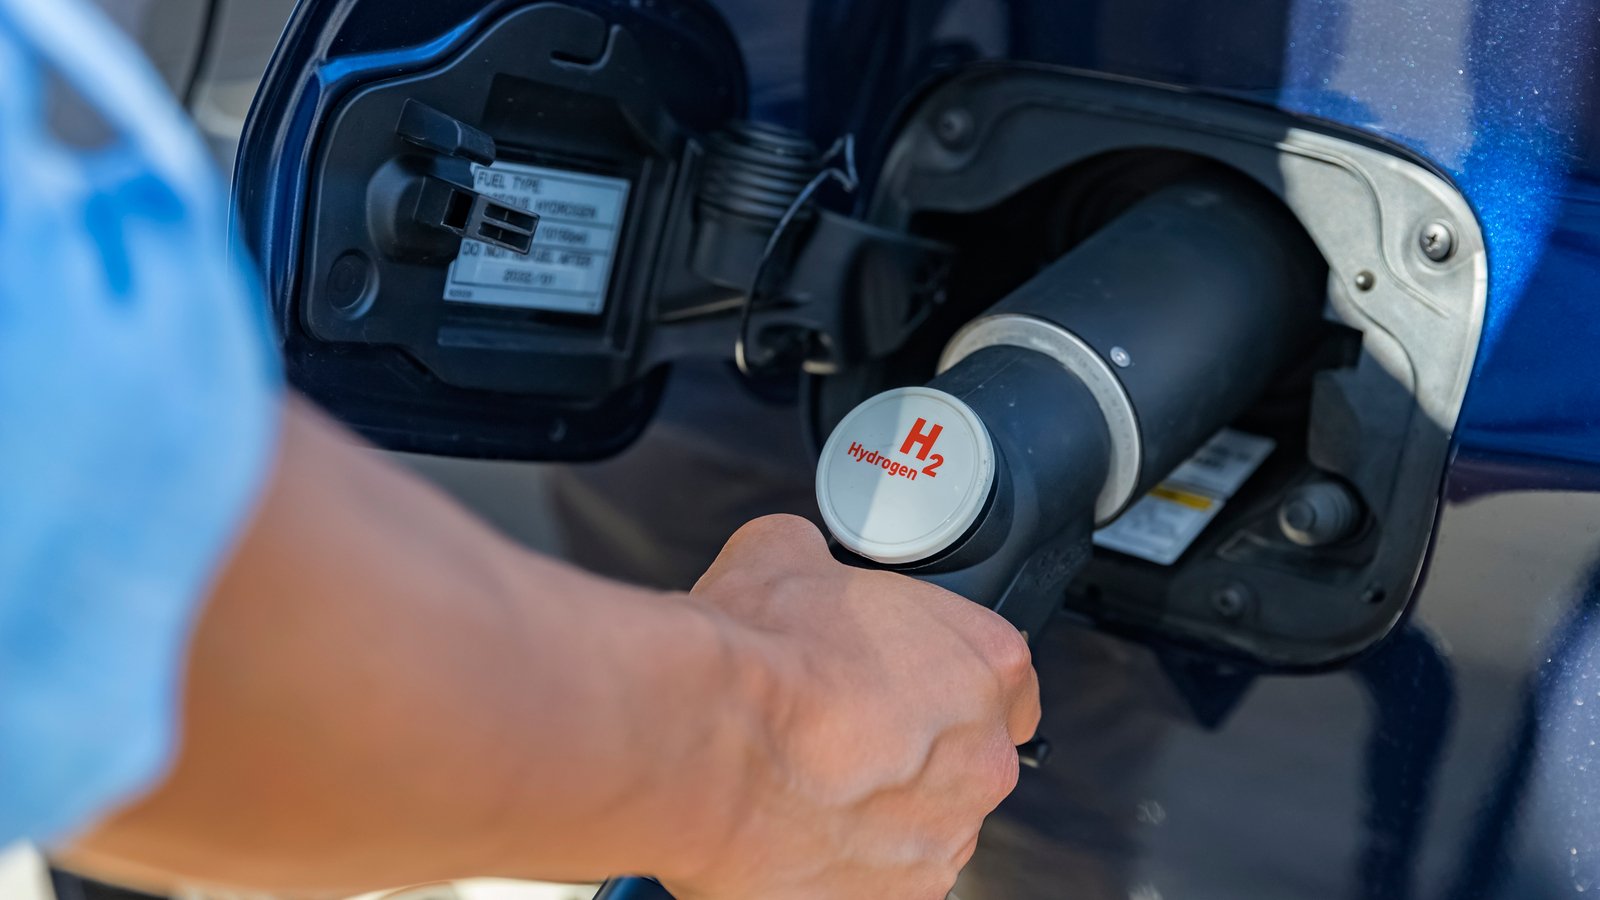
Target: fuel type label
(569, 268)
(1168, 520)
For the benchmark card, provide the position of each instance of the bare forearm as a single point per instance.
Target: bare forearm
(381, 691)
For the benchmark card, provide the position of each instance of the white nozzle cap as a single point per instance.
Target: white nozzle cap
(905, 475)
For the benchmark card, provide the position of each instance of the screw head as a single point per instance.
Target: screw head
(1121, 358)
(1231, 600)
(954, 127)
(1437, 240)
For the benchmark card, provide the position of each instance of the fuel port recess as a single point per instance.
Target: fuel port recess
(1238, 297)
(1065, 402)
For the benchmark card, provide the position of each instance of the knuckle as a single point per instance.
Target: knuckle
(1001, 769)
(1007, 652)
(1013, 777)
(965, 853)
(1027, 706)
(1028, 727)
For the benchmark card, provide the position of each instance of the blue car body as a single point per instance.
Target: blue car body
(1457, 759)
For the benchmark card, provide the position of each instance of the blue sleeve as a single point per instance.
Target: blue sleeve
(138, 415)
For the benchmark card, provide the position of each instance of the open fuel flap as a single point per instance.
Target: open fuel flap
(1185, 368)
(489, 227)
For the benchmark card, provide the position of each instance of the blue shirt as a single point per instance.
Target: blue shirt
(138, 415)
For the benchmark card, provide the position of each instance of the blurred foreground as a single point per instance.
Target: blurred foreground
(22, 877)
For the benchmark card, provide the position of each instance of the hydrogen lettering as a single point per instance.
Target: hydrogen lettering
(890, 468)
(566, 209)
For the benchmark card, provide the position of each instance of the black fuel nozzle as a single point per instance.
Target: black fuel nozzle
(1071, 398)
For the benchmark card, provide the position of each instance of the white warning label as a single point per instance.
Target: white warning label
(1225, 463)
(569, 267)
(1162, 525)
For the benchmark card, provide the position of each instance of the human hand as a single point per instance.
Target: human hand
(888, 715)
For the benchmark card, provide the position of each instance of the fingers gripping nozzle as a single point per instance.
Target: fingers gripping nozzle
(1069, 399)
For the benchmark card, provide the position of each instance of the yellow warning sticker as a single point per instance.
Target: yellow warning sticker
(1168, 520)
(1186, 498)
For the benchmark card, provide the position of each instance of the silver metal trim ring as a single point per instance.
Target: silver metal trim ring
(1073, 353)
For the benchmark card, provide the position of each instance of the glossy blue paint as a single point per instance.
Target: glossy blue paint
(1454, 762)
(1497, 93)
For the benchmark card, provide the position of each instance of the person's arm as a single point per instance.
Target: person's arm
(382, 691)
